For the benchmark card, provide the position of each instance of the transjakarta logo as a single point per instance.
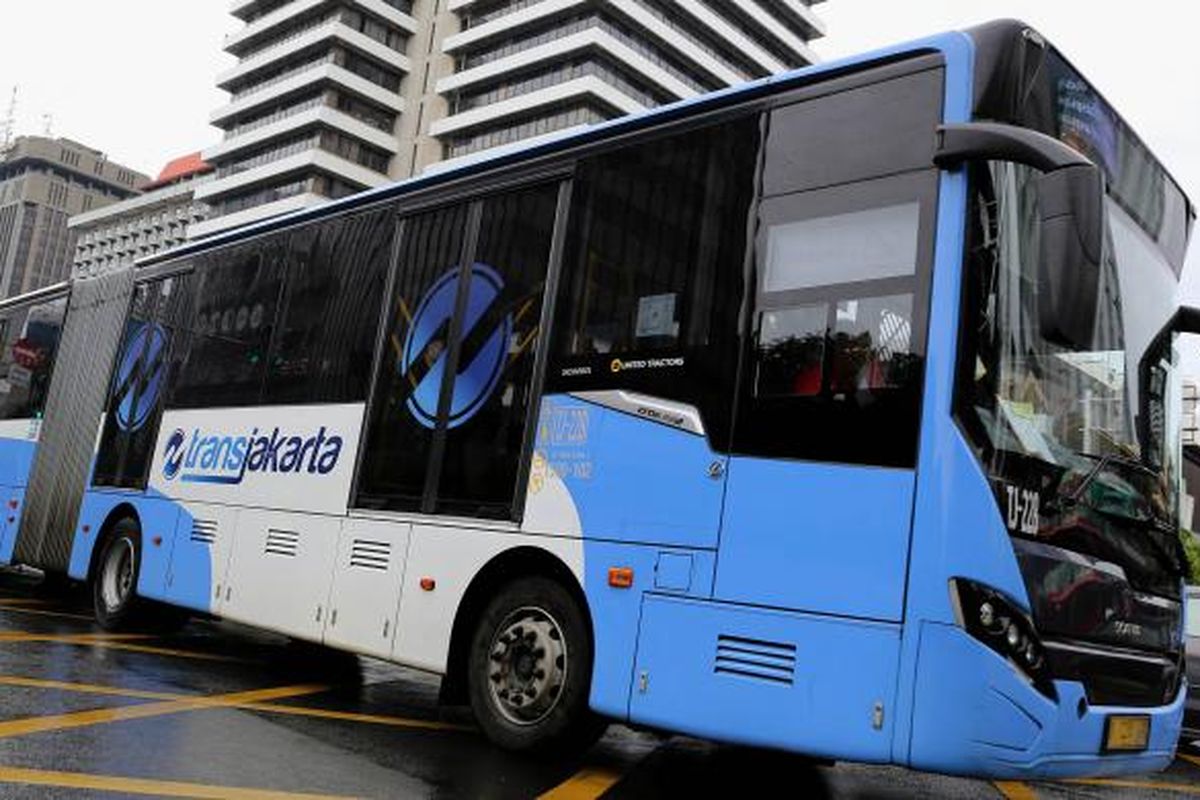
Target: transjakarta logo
(214, 458)
(487, 327)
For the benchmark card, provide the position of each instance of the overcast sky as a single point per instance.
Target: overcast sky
(135, 77)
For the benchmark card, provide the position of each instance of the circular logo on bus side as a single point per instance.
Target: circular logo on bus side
(140, 375)
(484, 346)
(173, 454)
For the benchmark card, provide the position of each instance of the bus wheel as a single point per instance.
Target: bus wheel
(114, 586)
(530, 669)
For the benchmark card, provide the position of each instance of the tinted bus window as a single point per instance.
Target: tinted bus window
(29, 336)
(838, 331)
(490, 398)
(404, 407)
(653, 276)
(152, 347)
(236, 298)
(335, 280)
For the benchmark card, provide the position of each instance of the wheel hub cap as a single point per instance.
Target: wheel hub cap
(527, 666)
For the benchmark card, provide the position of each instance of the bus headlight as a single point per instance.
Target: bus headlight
(998, 623)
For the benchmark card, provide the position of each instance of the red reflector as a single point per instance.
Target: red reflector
(157, 541)
(620, 577)
(87, 528)
(12, 503)
(428, 584)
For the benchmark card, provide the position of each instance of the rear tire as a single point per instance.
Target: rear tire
(114, 585)
(529, 671)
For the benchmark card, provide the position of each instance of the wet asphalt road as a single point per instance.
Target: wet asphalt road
(221, 711)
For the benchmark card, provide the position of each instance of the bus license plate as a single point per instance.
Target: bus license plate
(1123, 733)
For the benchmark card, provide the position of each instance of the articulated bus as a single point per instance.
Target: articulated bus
(833, 413)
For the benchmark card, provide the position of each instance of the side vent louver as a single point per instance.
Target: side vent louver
(750, 658)
(282, 543)
(369, 554)
(204, 530)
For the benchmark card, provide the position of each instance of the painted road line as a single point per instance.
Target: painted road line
(166, 651)
(14, 608)
(270, 708)
(1160, 786)
(588, 783)
(1015, 790)
(145, 786)
(1193, 760)
(101, 716)
(116, 642)
(89, 688)
(350, 716)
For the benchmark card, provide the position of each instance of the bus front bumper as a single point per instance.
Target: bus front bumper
(976, 714)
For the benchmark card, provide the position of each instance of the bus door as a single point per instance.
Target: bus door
(154, 335)
(637, 417)
(819, 501)
(448, 416)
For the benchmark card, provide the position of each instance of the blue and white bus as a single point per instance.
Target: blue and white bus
(832, 413)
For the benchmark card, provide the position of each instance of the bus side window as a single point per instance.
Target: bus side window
(654, 269)
(837, 339)
(29, 338)
(237, 293)
(327, 328)
(43, 328)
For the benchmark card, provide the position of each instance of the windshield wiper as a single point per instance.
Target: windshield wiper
(1151, 523)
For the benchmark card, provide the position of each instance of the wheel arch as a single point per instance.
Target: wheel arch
(119, 512)
(519, 562)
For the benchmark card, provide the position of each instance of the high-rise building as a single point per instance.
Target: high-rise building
(315, 99)
(524, 70)
(43, 182)
(117, 235)
(329, 97)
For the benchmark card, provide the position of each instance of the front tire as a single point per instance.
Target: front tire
(529, 670)
(114, 586)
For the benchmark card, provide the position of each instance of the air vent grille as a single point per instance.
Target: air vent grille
(204, 530)
(282, 543)
(368, 554)
(774, 662)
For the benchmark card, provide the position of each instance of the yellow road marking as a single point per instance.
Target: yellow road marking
(100, 716)
(19, 608)
(112, 783)
(33, 601)
(1190, 759)
(1161, 786)
(272, 708)
(88, 688)
(350, 716)
(114, 641)
(1015, 790)
(166, 651)
(588, 783)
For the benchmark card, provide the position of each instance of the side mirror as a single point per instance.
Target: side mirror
(1071, 194)
(1072, 240)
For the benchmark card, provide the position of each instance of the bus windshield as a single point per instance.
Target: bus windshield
(1070, 429)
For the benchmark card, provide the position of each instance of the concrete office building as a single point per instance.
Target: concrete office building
(160, 218)
(525, 70)
(315, 102)
(329, 97)
(43, 182)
